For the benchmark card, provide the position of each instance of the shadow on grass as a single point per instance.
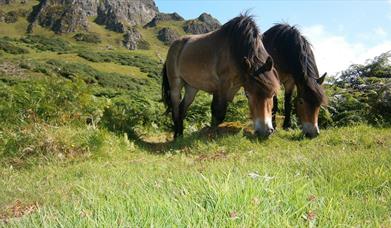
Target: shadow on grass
(205, 134)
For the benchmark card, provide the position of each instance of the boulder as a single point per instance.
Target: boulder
(203, 24)
(133, 40)
(167, 35)
(164, 17)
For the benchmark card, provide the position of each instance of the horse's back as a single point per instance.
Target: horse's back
(198, 58)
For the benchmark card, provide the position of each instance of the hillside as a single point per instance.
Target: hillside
(84, 142)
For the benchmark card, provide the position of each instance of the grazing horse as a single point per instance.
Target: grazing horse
(296, 66)
(221, 62)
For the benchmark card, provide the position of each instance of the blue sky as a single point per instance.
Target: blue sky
(341, 32)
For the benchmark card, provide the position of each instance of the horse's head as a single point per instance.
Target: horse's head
(308, 111)
(261, 86)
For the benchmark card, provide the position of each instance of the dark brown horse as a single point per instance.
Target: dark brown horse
(296, 66)
(221, 62)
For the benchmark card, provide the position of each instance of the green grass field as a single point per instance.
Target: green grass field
(340, 179)
(84, 143)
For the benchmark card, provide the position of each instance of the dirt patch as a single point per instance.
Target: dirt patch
(9, 68)
(219, 155)
(226, 128)
(17, 210)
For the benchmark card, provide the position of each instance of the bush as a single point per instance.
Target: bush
(43, 43)
(88, 37)
(11, 17)
(56, 102)
(131, 112)
(11, 48)
(146, 65)
(92, 76)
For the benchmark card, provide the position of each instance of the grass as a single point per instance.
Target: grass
(341, 178)
(83, 143)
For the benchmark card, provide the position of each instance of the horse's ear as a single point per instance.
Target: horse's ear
(269, 64)
(247, 63)
(321, 79)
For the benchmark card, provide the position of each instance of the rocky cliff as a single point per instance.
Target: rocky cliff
(64, 16)
(203, 24)
(119, 15)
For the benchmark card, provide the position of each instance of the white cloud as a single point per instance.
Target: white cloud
(334, 53)
(379, 31)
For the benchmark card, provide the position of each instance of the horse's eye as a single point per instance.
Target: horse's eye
(301, 101)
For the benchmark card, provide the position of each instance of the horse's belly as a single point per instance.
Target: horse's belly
(200, 78)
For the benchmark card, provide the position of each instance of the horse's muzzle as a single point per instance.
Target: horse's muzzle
(265, 133)
(310, 130)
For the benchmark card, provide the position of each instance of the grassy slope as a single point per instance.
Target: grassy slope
(341, 178)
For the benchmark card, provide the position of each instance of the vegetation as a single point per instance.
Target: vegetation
(43, 43)
(84, 142)
(6, 45)
(88, 37)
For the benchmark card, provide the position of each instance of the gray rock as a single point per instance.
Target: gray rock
(118, 15)
(2, 16)
(384, 98)
(167, 35)
(3, 2)
(164, 17)
(62, 16)
(203, 24)
(133, 40)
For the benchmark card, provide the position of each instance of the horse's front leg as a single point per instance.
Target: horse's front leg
(275, 110)
(219, 109)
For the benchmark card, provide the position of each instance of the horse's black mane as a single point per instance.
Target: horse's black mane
(246, 41)
(297, 53)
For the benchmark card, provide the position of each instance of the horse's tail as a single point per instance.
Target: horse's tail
(166, 97)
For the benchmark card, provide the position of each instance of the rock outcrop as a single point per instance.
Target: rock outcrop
(164, 17)
(167, 35)
(203, 24)
(119, 15)
(3, 2)
(133, 40)
(64, 16)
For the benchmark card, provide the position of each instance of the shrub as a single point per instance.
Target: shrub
(11, 17)
(52, 101)
(11, 48)
(88, 37)
(146, 65)
(47, 44)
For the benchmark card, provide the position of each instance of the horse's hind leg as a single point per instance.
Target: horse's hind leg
(190, 94)
(219, 109)
(275, 110)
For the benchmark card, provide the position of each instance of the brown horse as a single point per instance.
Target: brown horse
(296, 66)
(221, 62)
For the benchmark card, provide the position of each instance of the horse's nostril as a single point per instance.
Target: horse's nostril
(270, 131)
